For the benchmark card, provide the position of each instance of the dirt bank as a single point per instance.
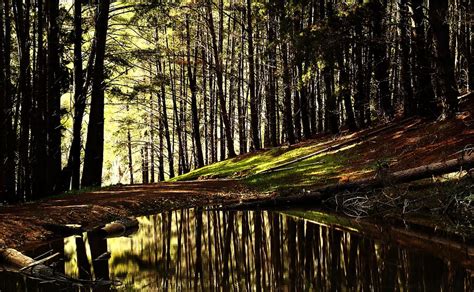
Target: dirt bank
(27, 224)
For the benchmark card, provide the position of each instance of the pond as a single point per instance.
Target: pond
(203, 250)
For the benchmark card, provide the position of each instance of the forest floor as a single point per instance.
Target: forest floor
(445, 202)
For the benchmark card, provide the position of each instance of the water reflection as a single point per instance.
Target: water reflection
(249, 251)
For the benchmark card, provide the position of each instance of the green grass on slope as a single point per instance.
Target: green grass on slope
(250, 163)
(321, 169)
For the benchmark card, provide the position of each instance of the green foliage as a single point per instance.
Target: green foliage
(321, 169)
(317, 170)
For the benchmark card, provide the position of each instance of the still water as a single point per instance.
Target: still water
(195, 250)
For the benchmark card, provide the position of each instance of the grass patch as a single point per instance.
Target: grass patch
(249, 164)
(321, 169)
(317, 170)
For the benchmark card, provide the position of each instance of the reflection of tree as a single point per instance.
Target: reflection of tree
(198, 274)
(251, 251)
(100, 263)
(83, 264)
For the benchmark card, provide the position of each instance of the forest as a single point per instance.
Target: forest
(360, 107)
(170, 86)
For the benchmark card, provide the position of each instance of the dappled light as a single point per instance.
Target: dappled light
(236, 145)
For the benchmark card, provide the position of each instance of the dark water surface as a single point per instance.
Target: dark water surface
(189, 250)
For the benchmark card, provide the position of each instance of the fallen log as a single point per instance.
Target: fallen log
(122, 227)
(338, 146)
(64, 230)
(14, 260)
(466, 162)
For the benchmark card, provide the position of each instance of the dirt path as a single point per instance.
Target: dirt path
(24, 225)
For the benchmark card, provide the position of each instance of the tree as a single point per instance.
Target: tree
(193, 88)
(288, 115)
(94, 153)
(381, 60)
(3, 108)
(405, 65)
(74, 161)
(445, 64)
(219, 76)
(253, 97)
(424, 92)
(54, 98)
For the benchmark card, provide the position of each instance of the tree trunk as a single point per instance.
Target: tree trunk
(470, 48)
(161, 161)
(164, 120)
(405, 68)
(3, 110)
(270, 97)
(288, 114)
(39, 117)
(438, 14)
(331, 112)
(71, 173)
(10, 133)
(193, 88)
(359, 98)
(54, 99)
(253, 97)
(220, 89)
(382, 64)
(92, 173)
(22, 13)
(424, 93)
(345, 91)
(176, 116)
(130, 157)
(241, 108)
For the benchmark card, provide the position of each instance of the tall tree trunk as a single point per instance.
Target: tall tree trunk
(331, 109)
(405, 69)
(470, 46)
(303, 93)
(241, 108)
(345, 91)
(152, 116)
(71, 173)
(130, 157)
(22, 13)
(253, 97)
(164, 120)
(359, 98)
(161, 161)
(445, 64)
(424, 92)
(3, 110)
(193, 88)
(382, 64)
(10, 161)
(92, 173)
(39, 117)
(219, 76)
(79, 96)
(288, 114)
(319, 98)
(271, 95)
(54, 98)
(331, 112)
(176, 117)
